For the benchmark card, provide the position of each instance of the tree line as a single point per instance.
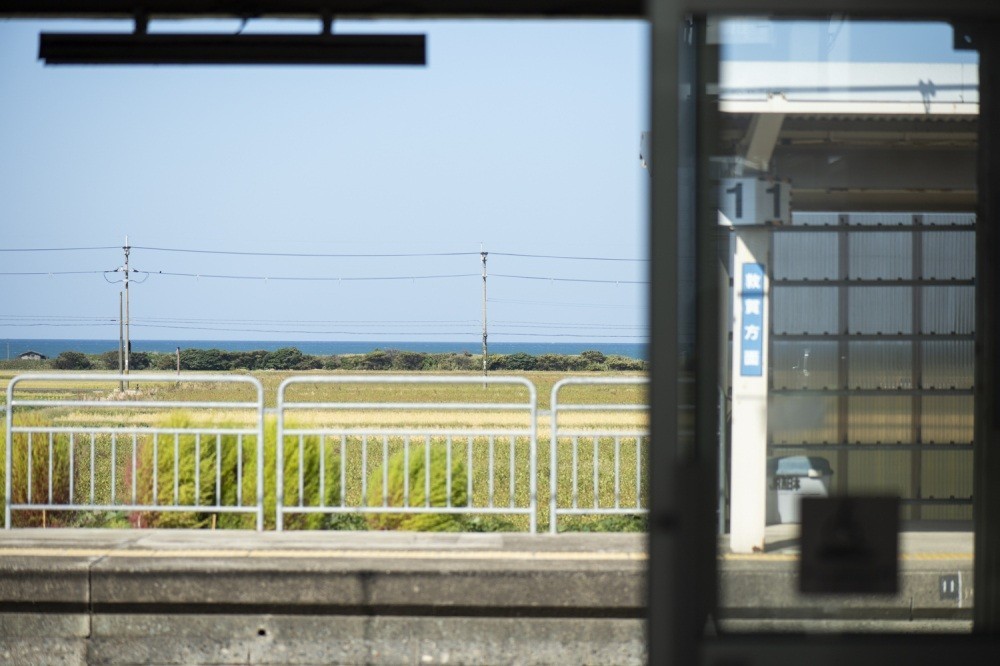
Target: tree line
(291, 358)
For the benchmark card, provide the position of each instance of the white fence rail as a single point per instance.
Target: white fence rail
(76, 444)
(597, 453)
(130, 457)
(346, 457)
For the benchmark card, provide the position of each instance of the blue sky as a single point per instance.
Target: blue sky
(522, 138)
(841, 40)
(519, 137)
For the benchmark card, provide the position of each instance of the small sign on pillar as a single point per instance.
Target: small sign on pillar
(751, 337)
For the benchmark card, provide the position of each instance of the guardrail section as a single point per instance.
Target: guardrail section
(407, 452)
(598, 449)
(139, 447)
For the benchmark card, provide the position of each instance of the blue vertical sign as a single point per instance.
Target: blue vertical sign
(751, 336)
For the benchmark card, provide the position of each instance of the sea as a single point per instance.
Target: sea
(52, 347)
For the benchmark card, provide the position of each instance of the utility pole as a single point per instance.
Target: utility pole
(128, 319)
(483, 254)
(121, 341)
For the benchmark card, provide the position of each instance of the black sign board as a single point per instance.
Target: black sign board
(850, 545)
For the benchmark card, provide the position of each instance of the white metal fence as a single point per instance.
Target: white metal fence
(74, 443)
(601, 451)
(391, 457)
(130, 455)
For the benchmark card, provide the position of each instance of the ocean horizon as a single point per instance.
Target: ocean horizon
(52, 347)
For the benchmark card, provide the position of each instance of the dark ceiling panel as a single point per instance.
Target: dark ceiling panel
(162, 49)
(313, 8)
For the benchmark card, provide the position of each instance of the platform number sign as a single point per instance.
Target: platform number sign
(751, 336)
(750, 201)
(950, 587)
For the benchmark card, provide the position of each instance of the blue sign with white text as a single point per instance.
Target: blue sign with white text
(751, 333)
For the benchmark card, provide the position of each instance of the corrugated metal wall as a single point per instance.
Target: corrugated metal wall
(872, 325)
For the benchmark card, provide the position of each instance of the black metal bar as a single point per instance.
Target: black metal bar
(709, 321)
(855, 282)
(916, 361)
(877, 9)
(873, 337)
(884, 393)
(843, 350)
(203, 49)
(667, 642)
(861, 228)
(986, 421)
(859, 446)
(936, 501)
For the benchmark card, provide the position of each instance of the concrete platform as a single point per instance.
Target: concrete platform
(765, 586)
(184, 596)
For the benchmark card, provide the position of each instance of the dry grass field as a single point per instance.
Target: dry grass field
(495, 470)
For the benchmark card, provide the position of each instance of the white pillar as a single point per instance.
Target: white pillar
(751, 303)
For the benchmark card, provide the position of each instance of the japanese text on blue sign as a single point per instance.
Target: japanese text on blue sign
(751, 339)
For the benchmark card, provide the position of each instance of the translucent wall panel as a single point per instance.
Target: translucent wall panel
(946, 474)
(949, 309)
(886, 310)
(946, 419)
(949, 255)
(880, 256)
(804, 310)
(880, 365)
(803, 365)
(948, 364)
(805, 256)
(947, 512)
(879, 420)
(884, 472)
(797, 419)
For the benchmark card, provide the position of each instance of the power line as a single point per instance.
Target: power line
(332, 255)
(316, 322)
(290, 330)
(54, 272)
(382, 325)
(75, 321)
(577, 335)
(57, 249)
(302, 278)
(340, 255)
(351, 328)
(378, 255)
(559, 279)
(378, 332)
(560, 256)
(541, 324)
(515, 301)
(346, 328)
(597, 331)
(113, 322)
(55, 317)
(310, 322)
(309, 279)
